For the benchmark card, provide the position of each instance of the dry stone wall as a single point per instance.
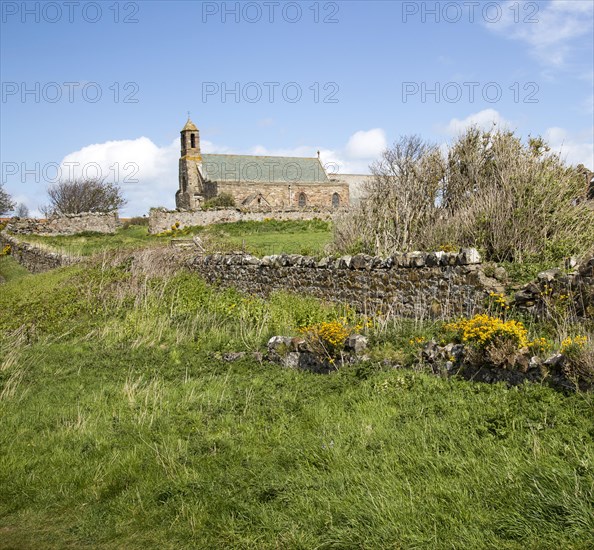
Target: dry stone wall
(69, 224)
(161, 220)
(416, 284)
(553, 289)
(35, 258)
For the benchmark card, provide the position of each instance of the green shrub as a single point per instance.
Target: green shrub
(222, 200)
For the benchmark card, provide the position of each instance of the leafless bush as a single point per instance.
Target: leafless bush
(83, 195)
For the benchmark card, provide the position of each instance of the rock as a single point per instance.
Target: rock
(268, 260)
(344, 262)
(251, 260)
(442, 257)
(416, 259)
(555, 361)
(233, 356)
(356, 343)
(360, 261)
(279, 343)
(325, 262)
(500, 274)
(468, 256)
(548, 275)
(430, 351)
(523, 296)
(432, 259)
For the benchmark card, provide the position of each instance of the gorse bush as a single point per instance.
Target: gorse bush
(515, 201)
(327, 339)
(482, 330)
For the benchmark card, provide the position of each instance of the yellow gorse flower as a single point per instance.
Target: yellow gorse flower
(483, 329)
(573, 344)
(499, 299)
(333, 333)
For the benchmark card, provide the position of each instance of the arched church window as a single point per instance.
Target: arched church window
(335, 200)
(192, 141)
(302, 200)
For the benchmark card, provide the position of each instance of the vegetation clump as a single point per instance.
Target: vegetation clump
(222, 200)
(515, 201)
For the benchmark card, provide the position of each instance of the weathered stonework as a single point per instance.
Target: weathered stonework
(35, 258)
(161, 220)
(70, 224)
(417, 284)
(286, 195)
(542, 296)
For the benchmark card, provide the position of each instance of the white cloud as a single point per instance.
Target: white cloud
(484, 119)
(366, 144)
(551, 31)
(574, 148)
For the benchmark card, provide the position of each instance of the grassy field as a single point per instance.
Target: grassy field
(10, 269)
(270, 237)
(123, 427)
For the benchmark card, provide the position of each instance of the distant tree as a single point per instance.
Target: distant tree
(83, 195)
(21, 210)
(6, 203)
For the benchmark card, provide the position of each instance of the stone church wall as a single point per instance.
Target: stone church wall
(413, 285)
(161, 220)
(286, 196)
(69, 224)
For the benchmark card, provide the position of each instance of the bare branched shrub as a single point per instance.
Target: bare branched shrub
(399, 203)
(83, 195)
(513, 200)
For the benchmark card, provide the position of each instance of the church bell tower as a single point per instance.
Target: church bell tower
(191, 192)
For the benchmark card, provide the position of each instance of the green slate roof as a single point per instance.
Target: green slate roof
(238, 168)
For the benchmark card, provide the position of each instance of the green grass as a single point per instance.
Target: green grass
(86, 244)
(269, 237)
(10, 269)
(121, 427)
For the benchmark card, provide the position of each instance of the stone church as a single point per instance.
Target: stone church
(255, 182)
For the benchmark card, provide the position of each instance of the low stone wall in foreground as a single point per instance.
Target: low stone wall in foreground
(436, 285)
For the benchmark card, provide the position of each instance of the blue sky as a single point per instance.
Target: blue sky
(366, 72)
